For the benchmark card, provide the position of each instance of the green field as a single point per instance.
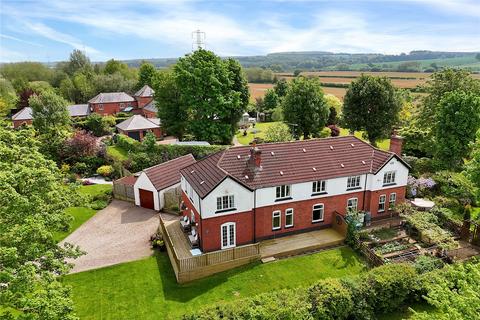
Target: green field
(146, 289)
(117, 153)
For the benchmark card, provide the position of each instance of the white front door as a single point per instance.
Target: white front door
(228, 235)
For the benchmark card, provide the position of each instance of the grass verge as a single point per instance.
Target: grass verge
(117, 153)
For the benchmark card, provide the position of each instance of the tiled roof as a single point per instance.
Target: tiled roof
(167, 174)
(78, 110)
(106, 97)
(145, 91)
(24, 114)
(151, 107)
(287, 163)
(128, 180)
(137, 122)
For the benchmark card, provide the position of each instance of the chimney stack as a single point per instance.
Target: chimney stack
(396, 143)
(255, 156)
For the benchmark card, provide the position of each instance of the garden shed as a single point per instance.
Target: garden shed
(152, 183)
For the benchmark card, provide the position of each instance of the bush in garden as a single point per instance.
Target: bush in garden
(420, 187)
(149, 142)
(334, 130)
(424, 264)
(127, 143)
(99, 125)
(456, 185)
(359, 292)
(330, 300)
(420, 165)
(278, 132)
(325, 133)
(105, 171)
(79, 168)
(81, 144)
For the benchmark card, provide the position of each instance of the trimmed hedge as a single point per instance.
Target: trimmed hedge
(382, 290)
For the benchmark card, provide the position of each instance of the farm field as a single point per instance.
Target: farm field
(146, 289)
(257, 90)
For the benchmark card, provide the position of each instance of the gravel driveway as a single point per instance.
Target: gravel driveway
(116, 234)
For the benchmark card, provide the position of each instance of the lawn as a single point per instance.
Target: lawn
(382, 144)
(146, 289)
(260, 128)
(82, 214)
(117, 153)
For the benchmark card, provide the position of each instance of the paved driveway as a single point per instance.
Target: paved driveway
(116, 234)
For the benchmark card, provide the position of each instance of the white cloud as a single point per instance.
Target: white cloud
(20, 40)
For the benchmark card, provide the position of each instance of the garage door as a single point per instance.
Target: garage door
(134, 135)
(146, 199)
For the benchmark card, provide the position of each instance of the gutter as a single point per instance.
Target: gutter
(254, 215)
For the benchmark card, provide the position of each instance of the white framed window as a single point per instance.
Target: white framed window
(227, 233)
(276, 220)
(353, 182)
(392, 200)
(318, 212)
(122, 106)
(352, 204)
(289, 218)
(389, 177)
(190, 192)
(381, 203)
(319, 186)
(225, 202)
(282, 192)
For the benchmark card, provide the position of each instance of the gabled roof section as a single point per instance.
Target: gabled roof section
(78, 110)
(145, 91)
(167, 174)
(24, 114)
(288, 163)
(108, 97)
(137, 122)
(151, 106)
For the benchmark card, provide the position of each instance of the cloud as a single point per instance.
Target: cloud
(20, 40)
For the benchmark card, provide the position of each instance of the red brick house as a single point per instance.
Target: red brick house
(150, 110)
(111, 103)
(137, 126)
(143, 96)
(245, 194)
(25, 117)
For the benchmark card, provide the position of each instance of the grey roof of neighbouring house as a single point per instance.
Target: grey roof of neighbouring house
(151, 106)
(75, 110)
(24, 114)
(137, 122)
(106, 97)
(145, 91)
(78, 110)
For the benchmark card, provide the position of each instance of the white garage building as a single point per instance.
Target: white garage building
(153, 182)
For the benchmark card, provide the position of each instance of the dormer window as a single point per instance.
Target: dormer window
(282, 192)
(353, 182)
(389, 178)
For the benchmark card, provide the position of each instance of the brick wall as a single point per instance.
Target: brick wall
(149, 114)
(19, 123)
(143, 101)
(375, 198)
(111, 108)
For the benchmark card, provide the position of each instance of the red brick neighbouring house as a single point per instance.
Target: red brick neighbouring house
(150, 110)
(25, 117)
(137, 126)
(143, 96)
(111, 103)
(245, 194)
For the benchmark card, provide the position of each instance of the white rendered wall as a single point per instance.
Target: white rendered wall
(401, 176)
(144, 183)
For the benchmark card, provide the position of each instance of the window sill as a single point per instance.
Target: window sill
(319, 193)
(225, 210)
(317, 221)
(276, 229)
(381, 211)
(354, 188)
(389, 184)
(283, 199)
(288, 227)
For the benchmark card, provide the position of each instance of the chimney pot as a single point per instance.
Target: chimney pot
(256, 156)
(396, 143)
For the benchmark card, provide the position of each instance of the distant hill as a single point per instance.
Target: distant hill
(414, 61)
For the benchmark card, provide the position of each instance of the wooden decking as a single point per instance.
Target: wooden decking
(300, 243)
(179, 239)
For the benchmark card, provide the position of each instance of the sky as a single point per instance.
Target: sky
(49, 30)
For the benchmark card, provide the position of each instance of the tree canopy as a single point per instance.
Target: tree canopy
(146, 74)
(371, 104)
(304, 107)
(49, 112)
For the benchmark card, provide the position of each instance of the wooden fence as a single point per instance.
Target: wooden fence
(196, 267)
(123, 192)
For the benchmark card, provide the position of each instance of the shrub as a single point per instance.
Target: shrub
(330, 300)
(334, 130)
(326, 132)
(99, 125)
(81, 144)
(420, 166)
(79, 168)
(424, 264)
(278, 132)
(456, 185)
(105, 171)
(127, 143)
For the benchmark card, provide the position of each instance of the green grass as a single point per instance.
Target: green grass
(475, 213)
(260, 127)
(80, 215)
(146, 289)
(95, 189)
(117, 153)
(385, 233)
(382, 144)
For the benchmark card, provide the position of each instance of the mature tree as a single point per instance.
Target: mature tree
(49, 113)
(112, 83)
(278, 132)
(371, 104)
(240, 83)
(32, 203)
(171, 111)
(8, 97)
(78, 88)
(146, 74)
(281, 87)
(99, 125)
(270, 103)
(26, 89)
(27, 71)
(78, 62)
(335, 106)
(114, 66)
(304, 106)
(473, 165)
(457, 121)
(81, 144)
(259, 75)
(210, 91)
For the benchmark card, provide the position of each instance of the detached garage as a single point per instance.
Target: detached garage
(153, 182)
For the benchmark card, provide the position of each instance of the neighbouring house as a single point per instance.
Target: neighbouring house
(144, 96)
(246, 194)
(111, 103)
(25, 117)
(150, 110)
(137, 126)
(152, 183)
(192, 143)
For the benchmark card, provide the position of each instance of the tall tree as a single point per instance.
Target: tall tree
(473, 165)
(171, 111)
(49, 112)
(207, 88)
(456, 123)
(8, 97)
(304, 106)
(32, 203)
(78, 61)
(281, 87)
(270, 103)
(146, 74)
(371, 104)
